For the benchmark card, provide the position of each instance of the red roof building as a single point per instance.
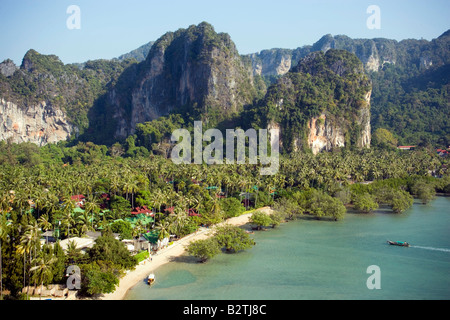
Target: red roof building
(105, 197)
(143, 210)
(191, 213)
(79, 200)
(78, 197)
(169, 210)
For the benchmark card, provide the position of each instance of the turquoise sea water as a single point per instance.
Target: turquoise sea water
(309, 259)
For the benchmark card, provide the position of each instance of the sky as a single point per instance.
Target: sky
(107, 29)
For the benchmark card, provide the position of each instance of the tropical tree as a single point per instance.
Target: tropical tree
(163, 227)
(261, 219)
(92, 206)
(3, 236)
(233, 238)
(204, 249)
(45, 224)
(364, 202)
(73, 253)
(43, 270)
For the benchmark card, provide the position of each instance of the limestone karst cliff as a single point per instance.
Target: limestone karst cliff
(194, 69)
(199, 74)
(45, 101)
(323, 103)
(373, 53)
(37, 123)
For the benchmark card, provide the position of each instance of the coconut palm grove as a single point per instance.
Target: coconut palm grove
(86, 189)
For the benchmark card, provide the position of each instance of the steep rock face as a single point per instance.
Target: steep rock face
(272, 62)
(7, 68)
(325, 135)
(195, 69)
(373, 53)
(323, 103)
(54, 98)
(363, 122)
(38, 123)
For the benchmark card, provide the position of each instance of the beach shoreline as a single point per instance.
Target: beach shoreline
(167, 254)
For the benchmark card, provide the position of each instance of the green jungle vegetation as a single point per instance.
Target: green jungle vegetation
(334, 82)
(36, 186)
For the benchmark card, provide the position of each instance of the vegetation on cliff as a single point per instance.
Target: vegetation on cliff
(333, 82)
(37, 185)
(74, 90)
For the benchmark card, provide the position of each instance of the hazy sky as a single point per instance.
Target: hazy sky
(111, 28)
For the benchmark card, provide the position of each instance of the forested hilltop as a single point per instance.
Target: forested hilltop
(410, 80)
(104, 100)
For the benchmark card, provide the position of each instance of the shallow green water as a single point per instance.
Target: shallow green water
(309, 259)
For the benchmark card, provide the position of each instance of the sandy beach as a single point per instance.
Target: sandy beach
(167, 254)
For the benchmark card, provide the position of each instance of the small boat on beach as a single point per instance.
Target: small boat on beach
(399, 243)
(151, 279)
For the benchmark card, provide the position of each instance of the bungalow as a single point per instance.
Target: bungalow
(80, 243)
(192, 213)
(147, 241)
(442, 152)
(83, 243)
(169, 210)
(145, 220)
(105, 198)
(220, 195)
(144, 209)
(406, 147)
(49, 236)
(79, 200)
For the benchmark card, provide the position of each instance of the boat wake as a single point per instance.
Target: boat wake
(432, 248)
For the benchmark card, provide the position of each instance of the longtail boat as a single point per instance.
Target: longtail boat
(399, 243)
(151, 279)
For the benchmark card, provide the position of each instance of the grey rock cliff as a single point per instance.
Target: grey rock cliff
(38, 123)
(193, 68)
(7, 68)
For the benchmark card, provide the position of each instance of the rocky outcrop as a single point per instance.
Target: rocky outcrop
(323, 103)
(196, 69)
(7, 68)
(39, 123)
(271, 62)
(363, 121)
(373, 53)
(325, 134)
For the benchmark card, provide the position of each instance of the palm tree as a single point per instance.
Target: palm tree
(163, 228)
(179, 220)
(20, 201)
(3, 235)
(45, 224)
(72, 252)
(158, 198)
(92, 205)
(52, 203)
(39, 199)
(42, 270)
(24, 248)
(67, 220)
(81, 220)
(115, 183)
(138, 229)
